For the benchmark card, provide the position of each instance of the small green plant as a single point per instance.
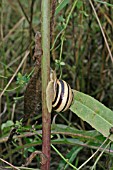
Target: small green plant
(22, 80)
(5, 127)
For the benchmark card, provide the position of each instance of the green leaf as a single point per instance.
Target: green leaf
(22, 80)
(9, 123)
(79, 4)
(70, 156)
(93, 112)
(71, 131)
(62, 63)
(104, 2)
(61, 6)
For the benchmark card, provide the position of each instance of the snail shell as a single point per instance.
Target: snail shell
(63, 96)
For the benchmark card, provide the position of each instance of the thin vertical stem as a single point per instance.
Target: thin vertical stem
(99, 23)
(46, 116)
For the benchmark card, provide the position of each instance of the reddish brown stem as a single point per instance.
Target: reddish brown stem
(46, 116)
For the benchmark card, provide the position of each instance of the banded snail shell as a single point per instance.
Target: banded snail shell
(63, 96)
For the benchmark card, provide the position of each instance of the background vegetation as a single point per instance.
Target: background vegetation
(80, 57)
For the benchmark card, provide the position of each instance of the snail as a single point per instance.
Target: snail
(63, 96)
(59, 95)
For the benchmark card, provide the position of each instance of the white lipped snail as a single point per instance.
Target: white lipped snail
(59, 95)
(63, 96)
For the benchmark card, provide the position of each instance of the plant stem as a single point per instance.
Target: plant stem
(66, 160)
(46, 116)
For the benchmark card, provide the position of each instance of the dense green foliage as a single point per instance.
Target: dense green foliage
(81, 53)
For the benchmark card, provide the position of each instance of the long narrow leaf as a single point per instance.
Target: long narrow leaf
(93, 112)
(61, 6)
(104, 2)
